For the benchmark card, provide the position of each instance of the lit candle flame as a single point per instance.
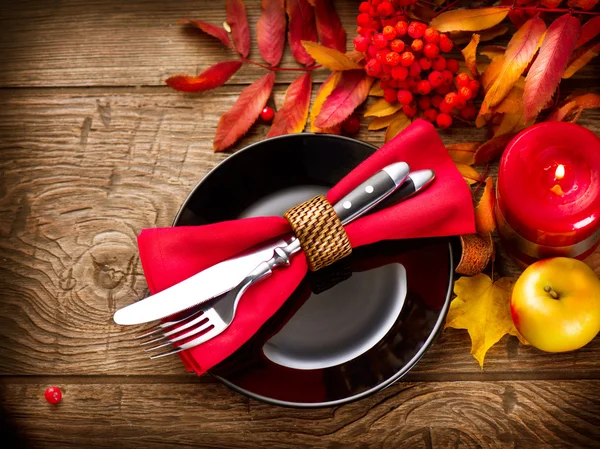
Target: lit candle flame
(560, 172)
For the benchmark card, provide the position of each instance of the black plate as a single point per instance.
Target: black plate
(348, 330)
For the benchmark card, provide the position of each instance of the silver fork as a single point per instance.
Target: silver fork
(218, 314)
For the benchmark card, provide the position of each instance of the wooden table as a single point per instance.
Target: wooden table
(94, 148)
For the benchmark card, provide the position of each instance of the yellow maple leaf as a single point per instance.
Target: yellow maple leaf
(329, 57)
(482, 307)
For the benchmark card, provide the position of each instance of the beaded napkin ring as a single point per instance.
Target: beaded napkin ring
(320, 231)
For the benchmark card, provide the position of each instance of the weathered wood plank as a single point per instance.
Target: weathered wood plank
(419, 415)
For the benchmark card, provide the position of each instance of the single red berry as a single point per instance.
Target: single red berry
(407, 58)
(351, 125)
(465, 93)
(414, 69)
(443, 89)
(390, 95)
(438, 63)
(389, 33)
(364, 7)
(401, 28)
(435, 78)
(363, 19)
(451, 98)
(452, 65)
(417, 45)
(436, 100)
(448, 78)
(410, 110)
(425, 63)
(381, 54)
(430, 115)
(431, 50)
(397, 45)
(463, 79)
(53, 395)
(405, 97)
(446, 107)
(423, 87)
(387, 69)
(373, 67)
(372, 51)
(444, 120)
(416, 29)
(380, 41)
(474, 86)
(385, 9)
(267, 114)
(468, 112)
(460, 103)
(392, 58)
(446, 43)
(424, 102)
(399, 73)
(432, 36)
(361, 43)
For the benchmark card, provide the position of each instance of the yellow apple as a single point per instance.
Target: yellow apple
(555, 304)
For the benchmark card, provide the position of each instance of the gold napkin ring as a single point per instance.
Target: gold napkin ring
(320, 231)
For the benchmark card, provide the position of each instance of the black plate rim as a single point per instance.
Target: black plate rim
(407, 367)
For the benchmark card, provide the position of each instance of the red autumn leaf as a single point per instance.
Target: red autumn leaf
(211, 78)
(485, 221)
(586, 5)
(326, 88)
(493, 148)
(244, 112)
(329, 28)
(550, 64)
(238, 21)
(352, 89)
(301, 28)
(270, 30)
(577, 104)
(589, 30)
(580, 58)
(212, 30)
(291, 117)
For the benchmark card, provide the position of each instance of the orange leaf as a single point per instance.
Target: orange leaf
(492, 149)
(376, 90)
(329, 57)
(485, 221)
(329, 28)
(589, 30)
(490, 74)
(469, 19)
(396, 127)
(580, 59)
(520, 50)
(470, 55)
(586, 101)
(210, 78)
(382, 108)
(301, 28)
(356, 56)
(492, 51)
(244, 112)
(238, 21)
(351, 90)
(270, 30)
(550, 64)
(212, 30)
(291, 117)
(463, 152)
(323, 92)
(468, 173)
(486, 35)
(384, 122)
(586, 5)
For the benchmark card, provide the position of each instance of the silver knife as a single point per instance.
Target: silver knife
(224, 276)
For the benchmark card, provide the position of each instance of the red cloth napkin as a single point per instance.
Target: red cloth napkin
(170, 255)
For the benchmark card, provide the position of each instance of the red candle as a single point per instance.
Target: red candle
(548, 193)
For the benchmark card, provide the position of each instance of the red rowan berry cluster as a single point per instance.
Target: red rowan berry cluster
(407, 58)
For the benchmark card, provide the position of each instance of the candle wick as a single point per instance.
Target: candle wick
(551, 292)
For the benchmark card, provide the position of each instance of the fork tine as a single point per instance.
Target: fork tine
(178, 329)
(164, 354)
(194, 331)
(153, 330)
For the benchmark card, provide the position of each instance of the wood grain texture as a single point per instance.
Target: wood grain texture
(413, 415)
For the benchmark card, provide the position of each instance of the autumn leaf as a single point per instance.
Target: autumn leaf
(376, 90)
(383, 122)
(351, 90)
(291, 116)
(463, 152)
(492, 51)
(485, 221)
(470, 55)
(550, 64)
(482, 307)
(492, 149)
(270, 30)
(519, 52)
(490, 74)
(244, 112)
(551, 3)
(382, 108)
(464, 37)
(329, 28)
(586, 5)
(469, 19)
(586, 101)
(237, 20)
(468, 173)
(326, 88)
(356, 56)
(301, 28)
(589, 30)
(396, 127)
(211, 30)
(210, 78)
(580, 59)
(329, 57)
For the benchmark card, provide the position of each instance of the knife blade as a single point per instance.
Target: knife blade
(222, 277)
